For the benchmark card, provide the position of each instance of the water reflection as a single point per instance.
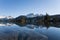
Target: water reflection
(10, 31)
(5, 24)
(29, 31)
(51, 24)
(57, 25)
(52, 30)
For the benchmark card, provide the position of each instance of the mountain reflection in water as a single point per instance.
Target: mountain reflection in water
(5, 24)
(17, 31)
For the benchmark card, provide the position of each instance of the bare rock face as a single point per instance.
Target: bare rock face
(9, 33)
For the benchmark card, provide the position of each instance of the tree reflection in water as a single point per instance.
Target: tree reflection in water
(31, 35)
(51, 24)
(19, 33)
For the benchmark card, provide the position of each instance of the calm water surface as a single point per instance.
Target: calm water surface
(10, 31)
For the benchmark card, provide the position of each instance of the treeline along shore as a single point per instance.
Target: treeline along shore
(37, 20)
(45, 20)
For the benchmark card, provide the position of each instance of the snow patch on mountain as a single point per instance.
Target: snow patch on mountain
(6, 17)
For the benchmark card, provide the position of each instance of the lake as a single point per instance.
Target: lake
(11, 31)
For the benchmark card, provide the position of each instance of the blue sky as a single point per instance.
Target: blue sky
(22, 7)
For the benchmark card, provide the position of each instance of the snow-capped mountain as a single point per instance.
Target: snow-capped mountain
(5, 18)
(30, 15)
(9, 17)
(2, 17)
(33, 15)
